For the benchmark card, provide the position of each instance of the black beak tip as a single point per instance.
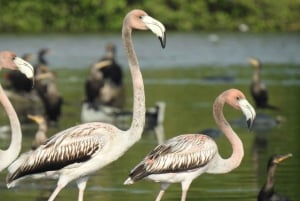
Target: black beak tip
(249, 123)
(163, 40)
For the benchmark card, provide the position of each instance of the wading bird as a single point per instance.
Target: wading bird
(9, 60)
(267, 193)
(77, 152)
(40, 136)
(183, 158)
(258, 89)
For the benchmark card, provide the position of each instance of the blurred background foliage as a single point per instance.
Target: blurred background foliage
(37, 16)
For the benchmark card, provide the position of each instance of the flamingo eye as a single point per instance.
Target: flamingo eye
(237, 98)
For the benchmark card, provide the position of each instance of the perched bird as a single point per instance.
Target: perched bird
(93, 84)
(267, 192)
(258, 89)
(50, 96)
(183, 158)
(40, 136)
(9, 60)
(104, 85)
(77, 152)
(42, 64)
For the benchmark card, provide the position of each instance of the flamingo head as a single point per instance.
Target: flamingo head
(237, 99)
(139, 19)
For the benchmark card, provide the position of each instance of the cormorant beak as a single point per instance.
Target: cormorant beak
(282, 158)
(157, 28)
(248, 111)
(253, 62)
(24, 67)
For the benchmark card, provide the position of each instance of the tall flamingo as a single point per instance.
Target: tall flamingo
(77, 152)
(9, 60)
(183, 158)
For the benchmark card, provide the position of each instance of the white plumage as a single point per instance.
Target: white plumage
(77, 152)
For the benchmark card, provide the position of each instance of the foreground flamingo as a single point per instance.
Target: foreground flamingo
(185, 157)
(79, 151)
(9, 60)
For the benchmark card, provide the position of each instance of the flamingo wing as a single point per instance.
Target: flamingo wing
(181, 153)
(74, 145)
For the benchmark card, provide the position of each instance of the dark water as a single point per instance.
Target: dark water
(183, 49)
(188, 110)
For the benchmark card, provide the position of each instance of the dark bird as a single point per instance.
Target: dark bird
(50, 96)
(79, 151)
(42, 62)
(105, 83)
(185, 157)
(10, 61)
(258, 89)
(267, 192)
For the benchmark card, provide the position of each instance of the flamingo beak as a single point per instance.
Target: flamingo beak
(24, 67)
(157, 28)
(248, 111)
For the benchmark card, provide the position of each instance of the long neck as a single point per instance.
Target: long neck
(138, 118)
(270, 178)
(237, 155)
(9, 155)
(256, 75)
(41, 133)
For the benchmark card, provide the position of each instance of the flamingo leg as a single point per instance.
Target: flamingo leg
(185, 186)
(81, 184)
(163, 188)
(56, 191)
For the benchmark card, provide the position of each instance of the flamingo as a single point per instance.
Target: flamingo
(9, 60)
(77, 152)
(183, 158)
(267, 192)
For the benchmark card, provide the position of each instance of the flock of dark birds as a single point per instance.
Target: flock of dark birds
(77, 152)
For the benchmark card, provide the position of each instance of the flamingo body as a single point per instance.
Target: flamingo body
(183, 158)
(77, 152)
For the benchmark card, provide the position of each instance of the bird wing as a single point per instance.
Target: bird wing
(73, 145)
(182, 153)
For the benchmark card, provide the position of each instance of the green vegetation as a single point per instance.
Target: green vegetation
(36, 16)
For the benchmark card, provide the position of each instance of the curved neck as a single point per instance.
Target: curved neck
(256, 75)
(42, 130)
(270, 178)
(139, 110)
(9, 155)
(237, 146)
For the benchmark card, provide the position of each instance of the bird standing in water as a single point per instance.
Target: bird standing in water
(40, 136)
(77, 152)
(267, 192)
(183, 158)
(258, 89)
(10, 61)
